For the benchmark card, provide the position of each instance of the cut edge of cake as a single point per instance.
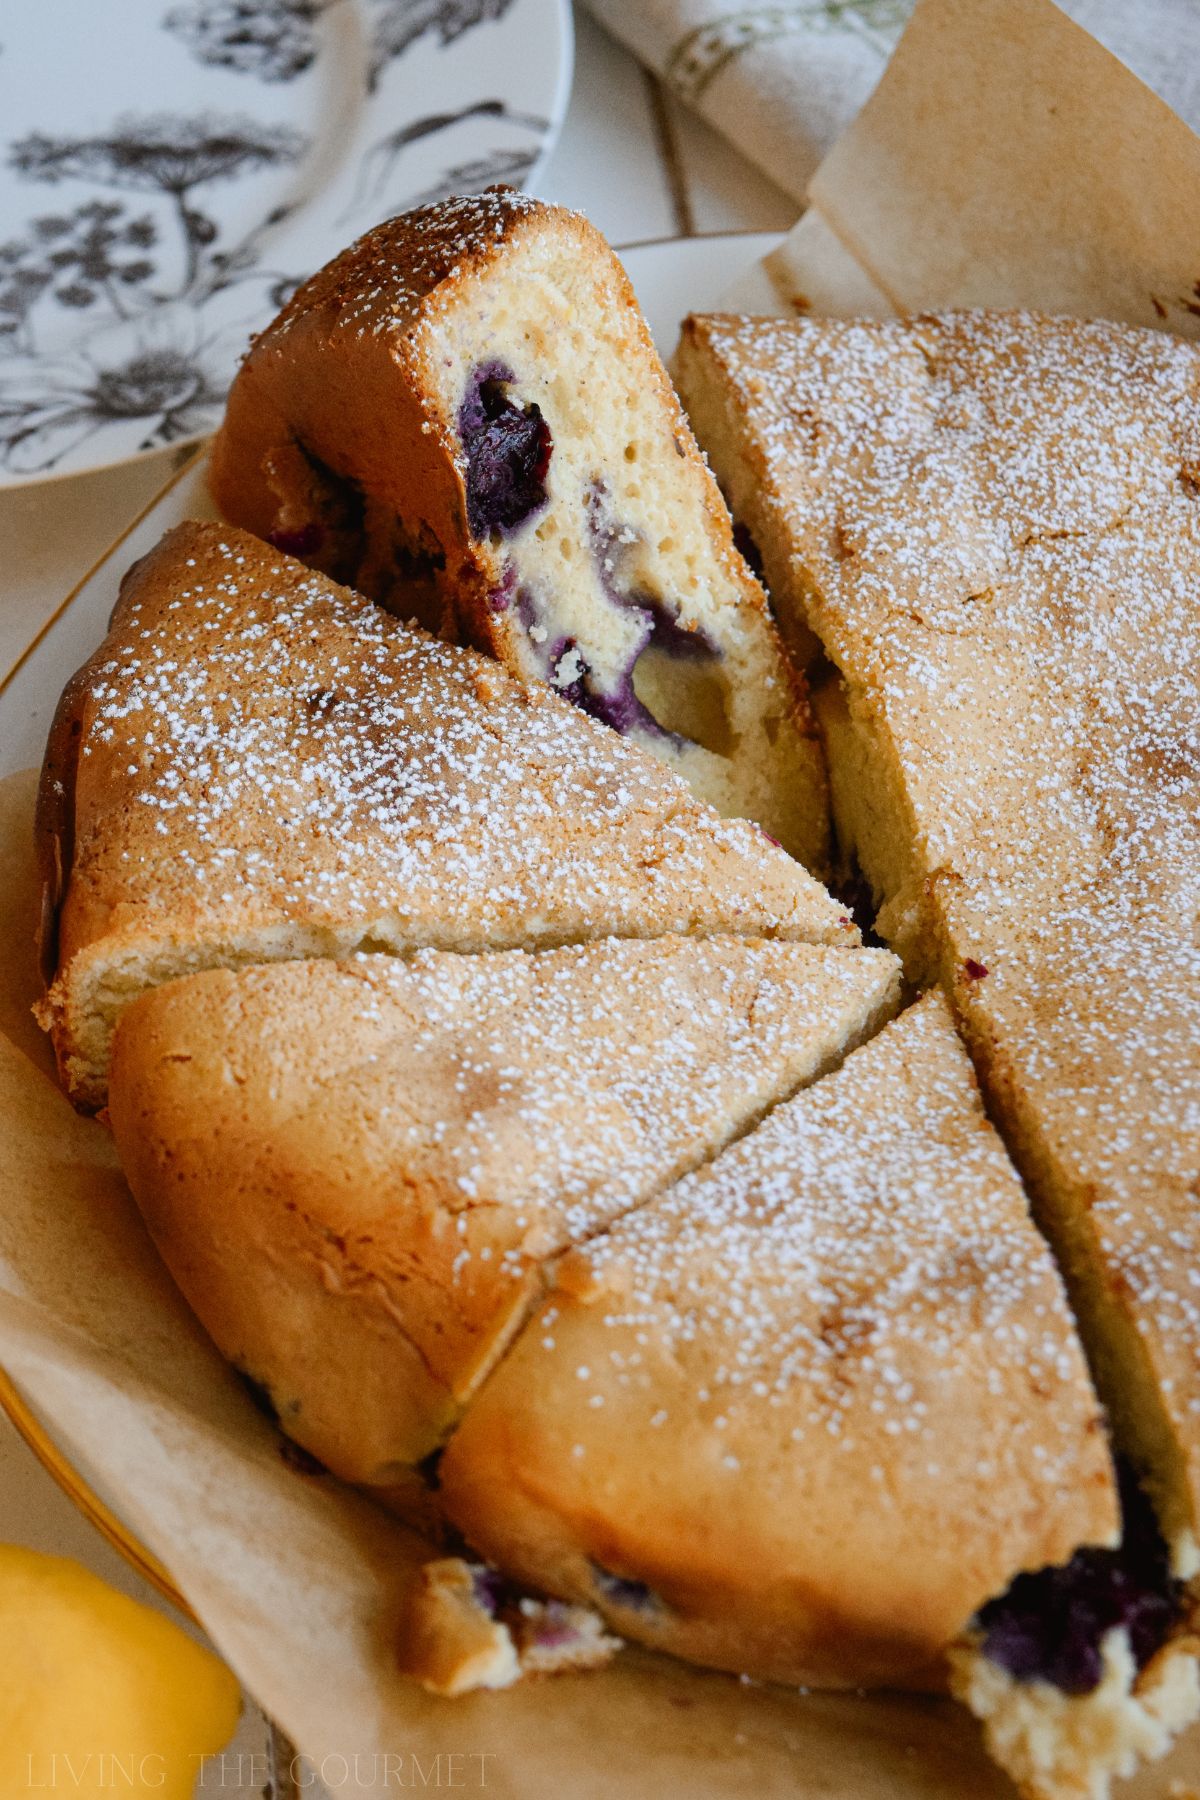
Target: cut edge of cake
(502, 428)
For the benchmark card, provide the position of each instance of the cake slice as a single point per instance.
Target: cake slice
(257, 764)
(809, 1414)
(357, 1171)
(990, 525)
(465, 413)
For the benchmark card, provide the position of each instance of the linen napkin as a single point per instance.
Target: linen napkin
(782, 82)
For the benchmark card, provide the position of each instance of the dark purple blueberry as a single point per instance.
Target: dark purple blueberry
(260, 1393)
(621, 1590)
(301, 1460)
(620, 709)
(690, 644)
(500, 597)
(569, 671)
(305, 540)
(746, 547)
(508, 450)
(1050, 1625)
(488, 1588)
(559, 658)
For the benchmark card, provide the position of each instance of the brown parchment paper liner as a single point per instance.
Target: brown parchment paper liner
(1005, 159)
(972, 176)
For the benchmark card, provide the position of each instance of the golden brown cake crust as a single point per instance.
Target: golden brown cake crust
(803, 1414)
(257, 764)
(992, 523)
(356, 1171)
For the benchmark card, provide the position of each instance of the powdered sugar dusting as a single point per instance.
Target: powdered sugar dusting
(999, 520)
(805, 1411)
(260, 746)
(632, 1057)
(527, 1099)
(381, 280)
(850, 1263)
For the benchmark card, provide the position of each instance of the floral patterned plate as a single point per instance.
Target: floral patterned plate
(171, 169)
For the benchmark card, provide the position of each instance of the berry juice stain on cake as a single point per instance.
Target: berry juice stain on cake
(508, 451)
(659, 629)
(589, 672)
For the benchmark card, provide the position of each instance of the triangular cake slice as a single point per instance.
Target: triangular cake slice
(467, 402)
(991, 524)
(258, 764)
(357, 1170)
(819, 1414)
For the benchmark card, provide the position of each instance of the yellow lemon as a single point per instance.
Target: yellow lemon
(100, 1697)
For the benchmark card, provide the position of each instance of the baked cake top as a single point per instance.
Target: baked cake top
(994, 521)
(855, 1248)
(998, 516)
(421, 1133)
(379, 282)
(253, 745)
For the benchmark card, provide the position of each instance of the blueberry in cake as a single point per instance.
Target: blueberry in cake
(358, 1171)
(1082, 1671)
(990, 527)
(258, 765)
(464, 415)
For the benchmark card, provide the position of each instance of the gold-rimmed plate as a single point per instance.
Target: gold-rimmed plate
(78, 1490)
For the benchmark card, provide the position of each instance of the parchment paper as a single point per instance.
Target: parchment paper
(1006, 158)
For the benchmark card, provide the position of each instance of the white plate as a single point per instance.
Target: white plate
(170, 170)
(671, 278)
